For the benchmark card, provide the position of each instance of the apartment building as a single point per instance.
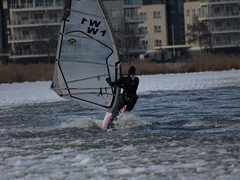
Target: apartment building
(155, 28)
(223, 20)
(165, 33)
(125, 20)
(4, 47)
(34, 27)
(151, 28)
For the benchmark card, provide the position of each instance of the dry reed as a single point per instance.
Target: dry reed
(211, 62)
(43, 72)
(20, 73)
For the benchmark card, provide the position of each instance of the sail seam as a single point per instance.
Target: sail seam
(79, 61)
(85, 13)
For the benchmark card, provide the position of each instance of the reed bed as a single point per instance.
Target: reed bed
(44, 72)
(20, 73)
(211, 62)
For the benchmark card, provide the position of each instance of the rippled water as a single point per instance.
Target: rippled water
(169, 135)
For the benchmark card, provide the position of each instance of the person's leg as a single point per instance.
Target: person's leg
(115, 112)
(131, 105)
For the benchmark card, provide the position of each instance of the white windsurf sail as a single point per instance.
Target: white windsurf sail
(87, 54)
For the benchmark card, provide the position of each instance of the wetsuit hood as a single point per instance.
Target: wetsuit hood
(131, 70)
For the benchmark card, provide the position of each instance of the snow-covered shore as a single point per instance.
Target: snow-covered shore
(39, 92)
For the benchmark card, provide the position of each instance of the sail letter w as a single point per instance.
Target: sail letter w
(92, 30)
(94, 23)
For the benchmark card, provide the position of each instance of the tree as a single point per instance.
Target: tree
(198, 32)
(49, 41)
(127, 38)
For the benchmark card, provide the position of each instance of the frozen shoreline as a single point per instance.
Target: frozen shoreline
(39, 92)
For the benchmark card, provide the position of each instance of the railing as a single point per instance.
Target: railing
(220, 14)
(135, 18)
(226, 43)
(139, 48)
(34, 21)
(226, 28)
(141, 32)
(213, 1)
(30, 37)
(36, 5)
(32, 52)
(132, 2)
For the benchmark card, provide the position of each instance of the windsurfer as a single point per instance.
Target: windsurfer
(128, 97)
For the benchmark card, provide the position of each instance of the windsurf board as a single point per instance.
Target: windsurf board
(108, 117)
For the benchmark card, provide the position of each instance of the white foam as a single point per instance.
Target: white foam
(130, 120)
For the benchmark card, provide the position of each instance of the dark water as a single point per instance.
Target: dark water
(170, 135)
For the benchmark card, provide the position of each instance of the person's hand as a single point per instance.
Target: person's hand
(108, 80)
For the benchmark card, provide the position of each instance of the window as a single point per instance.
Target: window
(217, 10)
(193, 12)
(156, 14)
(144, 28)
(187, 12)
(230, 39)
(218, 25)
(229, 8)
(58, 2)
(156, 1)
(38, 17)
(48, 2)
(158, 42)
(157, 28)
(116, 13)
(143, 14)
(145, 42)
(53, 17)
(218, 40)
(116, 28)
(25, 32)
(39, 3)
(199, 11)
(24, 18)
(229, 24)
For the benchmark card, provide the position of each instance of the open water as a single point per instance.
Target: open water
(169, 135)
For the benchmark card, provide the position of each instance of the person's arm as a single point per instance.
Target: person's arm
(118, 82)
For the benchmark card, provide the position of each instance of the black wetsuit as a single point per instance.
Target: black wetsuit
(129, 96)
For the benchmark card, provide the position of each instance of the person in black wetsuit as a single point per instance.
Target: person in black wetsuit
(129, 95)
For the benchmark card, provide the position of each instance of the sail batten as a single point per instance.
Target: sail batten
(70, 35)
(79, 61)
(87, 54)
(80, 12)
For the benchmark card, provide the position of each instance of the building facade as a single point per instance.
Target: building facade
(154, 29)
(4, 32)
(222, 18)
(34, 27)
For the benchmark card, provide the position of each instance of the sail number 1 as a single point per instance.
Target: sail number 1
(93, 26)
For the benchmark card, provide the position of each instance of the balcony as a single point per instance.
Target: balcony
(36, 6)
(34, 22)
(214, 2)
(31, 53)
(220, 15)
(225, 29)
(138, 49)
(132, 3)
(28, 38)
(225, 44)
(135, 19)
